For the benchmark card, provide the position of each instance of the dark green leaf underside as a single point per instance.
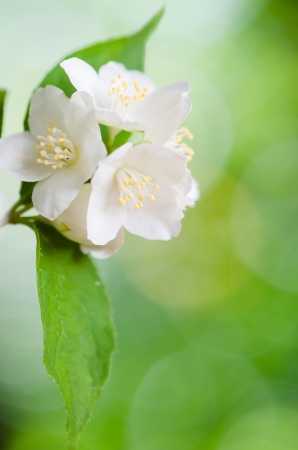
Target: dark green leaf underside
(78, 333)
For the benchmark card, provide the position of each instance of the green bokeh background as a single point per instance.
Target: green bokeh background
(207, 323)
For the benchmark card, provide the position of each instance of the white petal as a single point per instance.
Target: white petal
(158, 162)
(52, 196)
(194, 193)
(18, 157)
(165, 130)
(105, 251)
(82, 76)
(159, 220)
(72, 223)
(113, 68)
(187, 191)
(47, 104)
(159, 104)
(112, 119)
(110, 164)
(105, 215)
(84, 132)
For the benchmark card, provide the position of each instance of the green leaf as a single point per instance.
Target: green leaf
(2, 101)
(121, 138)
(26, 190)
(129, 50)
(78, 333)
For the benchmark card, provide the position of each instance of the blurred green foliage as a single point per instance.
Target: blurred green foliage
(207, 323)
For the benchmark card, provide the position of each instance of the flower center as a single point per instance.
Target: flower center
(134, 186)
(55, 149)
(124, 95)
(176, 143)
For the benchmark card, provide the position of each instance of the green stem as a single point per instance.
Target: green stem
(29, 222)
(14, 215)
(20, 202)
(24, 209)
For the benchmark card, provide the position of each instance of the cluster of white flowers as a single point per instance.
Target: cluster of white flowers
(143, 186)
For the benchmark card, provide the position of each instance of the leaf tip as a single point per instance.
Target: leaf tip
(150, 26)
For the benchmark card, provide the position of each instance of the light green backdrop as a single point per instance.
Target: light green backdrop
(207, 323)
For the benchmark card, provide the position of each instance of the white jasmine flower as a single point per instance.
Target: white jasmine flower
(125, 99)
(72, 223)
(137, 188)
(168, 134)
(61, 151)
(176, 143)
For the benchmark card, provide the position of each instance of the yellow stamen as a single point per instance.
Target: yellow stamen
(151, 197)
